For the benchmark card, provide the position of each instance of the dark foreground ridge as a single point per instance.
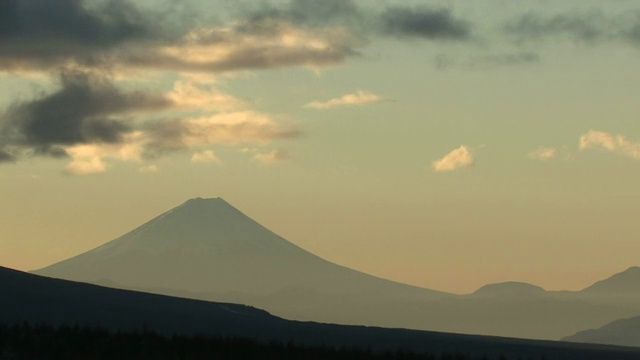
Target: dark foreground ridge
(51, 302)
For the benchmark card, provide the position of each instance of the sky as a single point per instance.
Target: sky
(444, 144)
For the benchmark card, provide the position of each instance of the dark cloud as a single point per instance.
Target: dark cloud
(44, 33)
(84, 109)
(422, 22)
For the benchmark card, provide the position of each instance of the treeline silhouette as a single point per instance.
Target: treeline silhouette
(42, 342)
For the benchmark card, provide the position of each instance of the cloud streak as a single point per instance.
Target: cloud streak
(459, 158)
(358, 98)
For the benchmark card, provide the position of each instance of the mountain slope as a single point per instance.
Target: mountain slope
(624, 332)
(40, 300)
(624, 283)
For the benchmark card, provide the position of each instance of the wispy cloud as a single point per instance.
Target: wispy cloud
(459, 158)
(273, 157)
(589, 27)
(617, 144)
(354, 99)
(543, 153)
(85, 166)
(205, 157)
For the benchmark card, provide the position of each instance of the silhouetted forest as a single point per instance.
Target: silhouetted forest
(66, 343)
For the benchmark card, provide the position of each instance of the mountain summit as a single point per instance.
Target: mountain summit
(208, 246)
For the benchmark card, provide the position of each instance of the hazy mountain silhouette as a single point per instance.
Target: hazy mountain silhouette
(206, 245)
(510, 289)
(624, 332)
(44, 301)
(206, 249)
(624, 283)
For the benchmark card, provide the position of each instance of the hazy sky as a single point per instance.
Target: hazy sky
(446, 144)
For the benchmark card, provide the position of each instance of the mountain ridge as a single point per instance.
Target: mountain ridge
(45, 301)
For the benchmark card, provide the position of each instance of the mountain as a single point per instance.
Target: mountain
(45, 301)
(624, 283)
(624, 332)
(206, 249)
(510, 289)
(208, 246)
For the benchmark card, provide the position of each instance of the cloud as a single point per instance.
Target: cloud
(587, 26)
(191, 95)
(354, 99)
(425, 23)
(543, 153)
(47, 34)
(273, 157)
(263, 44)
(205, 157)
(44, 35)
(85, 109)
(89, 121)
(456, 159)
(82, 167)
(234, 128)
(617, 144)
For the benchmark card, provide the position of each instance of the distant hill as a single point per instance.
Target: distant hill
(207, 249)
(45, 301)
(624, 332)
(510, 289)
(624, 283)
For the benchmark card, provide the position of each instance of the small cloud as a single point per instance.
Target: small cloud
(456, 159)
(86, 166)
(616, 144)
(151, 169)
(543, 153)
(272, 157)
(205, 157)
(354, 99)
